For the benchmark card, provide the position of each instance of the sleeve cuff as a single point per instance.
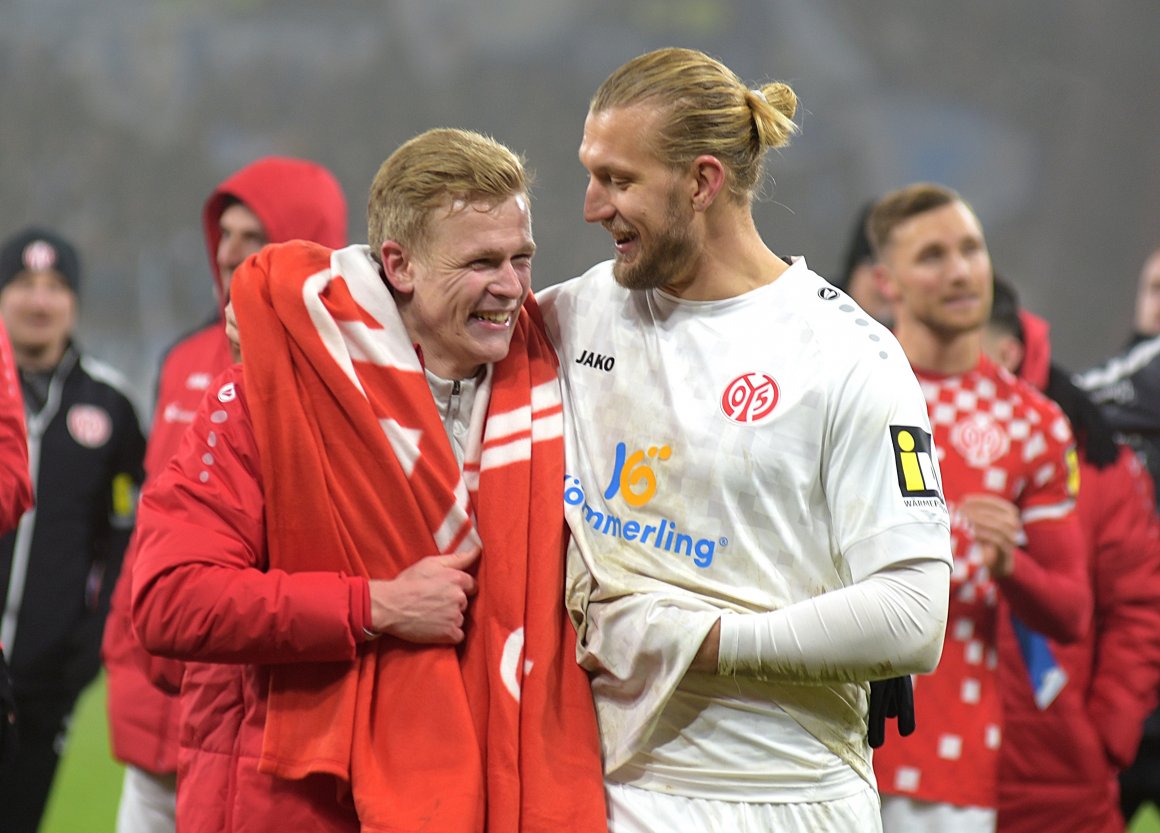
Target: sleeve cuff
(360, 610)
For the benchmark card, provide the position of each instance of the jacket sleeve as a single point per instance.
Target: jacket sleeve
(15, 482)
(201, 587)
(1126, 572)
(1049, 589)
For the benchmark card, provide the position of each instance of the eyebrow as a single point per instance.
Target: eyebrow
(499, 254)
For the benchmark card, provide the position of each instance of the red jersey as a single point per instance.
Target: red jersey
(995, 434)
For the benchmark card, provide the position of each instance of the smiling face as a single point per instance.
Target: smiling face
(938, 271)
(39, 309)
(460, 294)
(638, 199)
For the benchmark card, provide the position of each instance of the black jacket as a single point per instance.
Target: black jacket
(1127, 390)
(58, 568)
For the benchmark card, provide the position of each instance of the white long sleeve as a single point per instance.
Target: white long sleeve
(890, 623)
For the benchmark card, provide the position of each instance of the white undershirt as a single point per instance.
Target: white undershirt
(454, 399)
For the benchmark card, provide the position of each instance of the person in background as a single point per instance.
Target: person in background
(271, 200)
(58, 568)
(15, 481)
(1148, 299)
(1062, 753)
(1009, 475)
(1127, 385)
(363, 525)
(857, 277)
(757, 524)
(1126, 388)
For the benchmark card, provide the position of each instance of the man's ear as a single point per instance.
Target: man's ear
(708, 180)
(1011, 353)
(885, 284)
(398, 267)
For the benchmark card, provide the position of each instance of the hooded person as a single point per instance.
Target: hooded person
(271, 200)
(1061, 756)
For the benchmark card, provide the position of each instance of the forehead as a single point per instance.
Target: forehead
(238, 216)
(617, 136)
(30, 278)
(461, 225)
(946, 223)
(1151, 272)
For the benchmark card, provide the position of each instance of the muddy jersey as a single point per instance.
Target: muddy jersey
(736, 455)
(997, 435)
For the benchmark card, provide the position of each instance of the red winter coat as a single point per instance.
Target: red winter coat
(202, 560)
(294, 199)
(1059, 767)
(15, 485)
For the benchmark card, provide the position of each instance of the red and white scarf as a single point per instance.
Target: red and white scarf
(499, 734)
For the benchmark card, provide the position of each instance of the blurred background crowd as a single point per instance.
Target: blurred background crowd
(120, 117)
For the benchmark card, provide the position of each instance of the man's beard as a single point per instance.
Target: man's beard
(665, 261)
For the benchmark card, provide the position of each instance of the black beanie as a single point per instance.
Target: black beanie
(37, 250)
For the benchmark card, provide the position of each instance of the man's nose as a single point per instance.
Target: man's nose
(509, 281)
(597, 208)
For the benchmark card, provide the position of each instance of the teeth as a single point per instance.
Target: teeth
(494, 317)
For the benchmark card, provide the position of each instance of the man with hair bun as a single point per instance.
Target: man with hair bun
(758, 526)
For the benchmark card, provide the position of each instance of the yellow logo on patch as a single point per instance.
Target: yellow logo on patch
(913, 460)
(124, 496)
(1072, 471)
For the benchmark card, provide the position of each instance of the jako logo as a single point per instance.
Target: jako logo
(750, 398)
(634, 479)
(588, 359)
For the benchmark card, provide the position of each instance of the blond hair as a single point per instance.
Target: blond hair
(434, 169)
(708, 111)
(897, 207)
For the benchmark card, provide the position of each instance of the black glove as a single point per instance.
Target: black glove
(890, 698)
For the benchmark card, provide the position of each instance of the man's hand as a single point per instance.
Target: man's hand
(232, 332)
(997, 530)
(426, 602)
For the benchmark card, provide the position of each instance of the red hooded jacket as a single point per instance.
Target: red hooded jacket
(293, 199)
(15, 485)
(1058, 767)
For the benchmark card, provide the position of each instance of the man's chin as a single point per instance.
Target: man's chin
(626, 274)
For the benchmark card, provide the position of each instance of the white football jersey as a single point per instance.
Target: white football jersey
(736, 455)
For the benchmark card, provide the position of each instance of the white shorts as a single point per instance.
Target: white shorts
(901, 814)
(633, 810)
(148, 802)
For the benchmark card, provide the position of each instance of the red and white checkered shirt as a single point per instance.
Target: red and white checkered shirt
(994, 434)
